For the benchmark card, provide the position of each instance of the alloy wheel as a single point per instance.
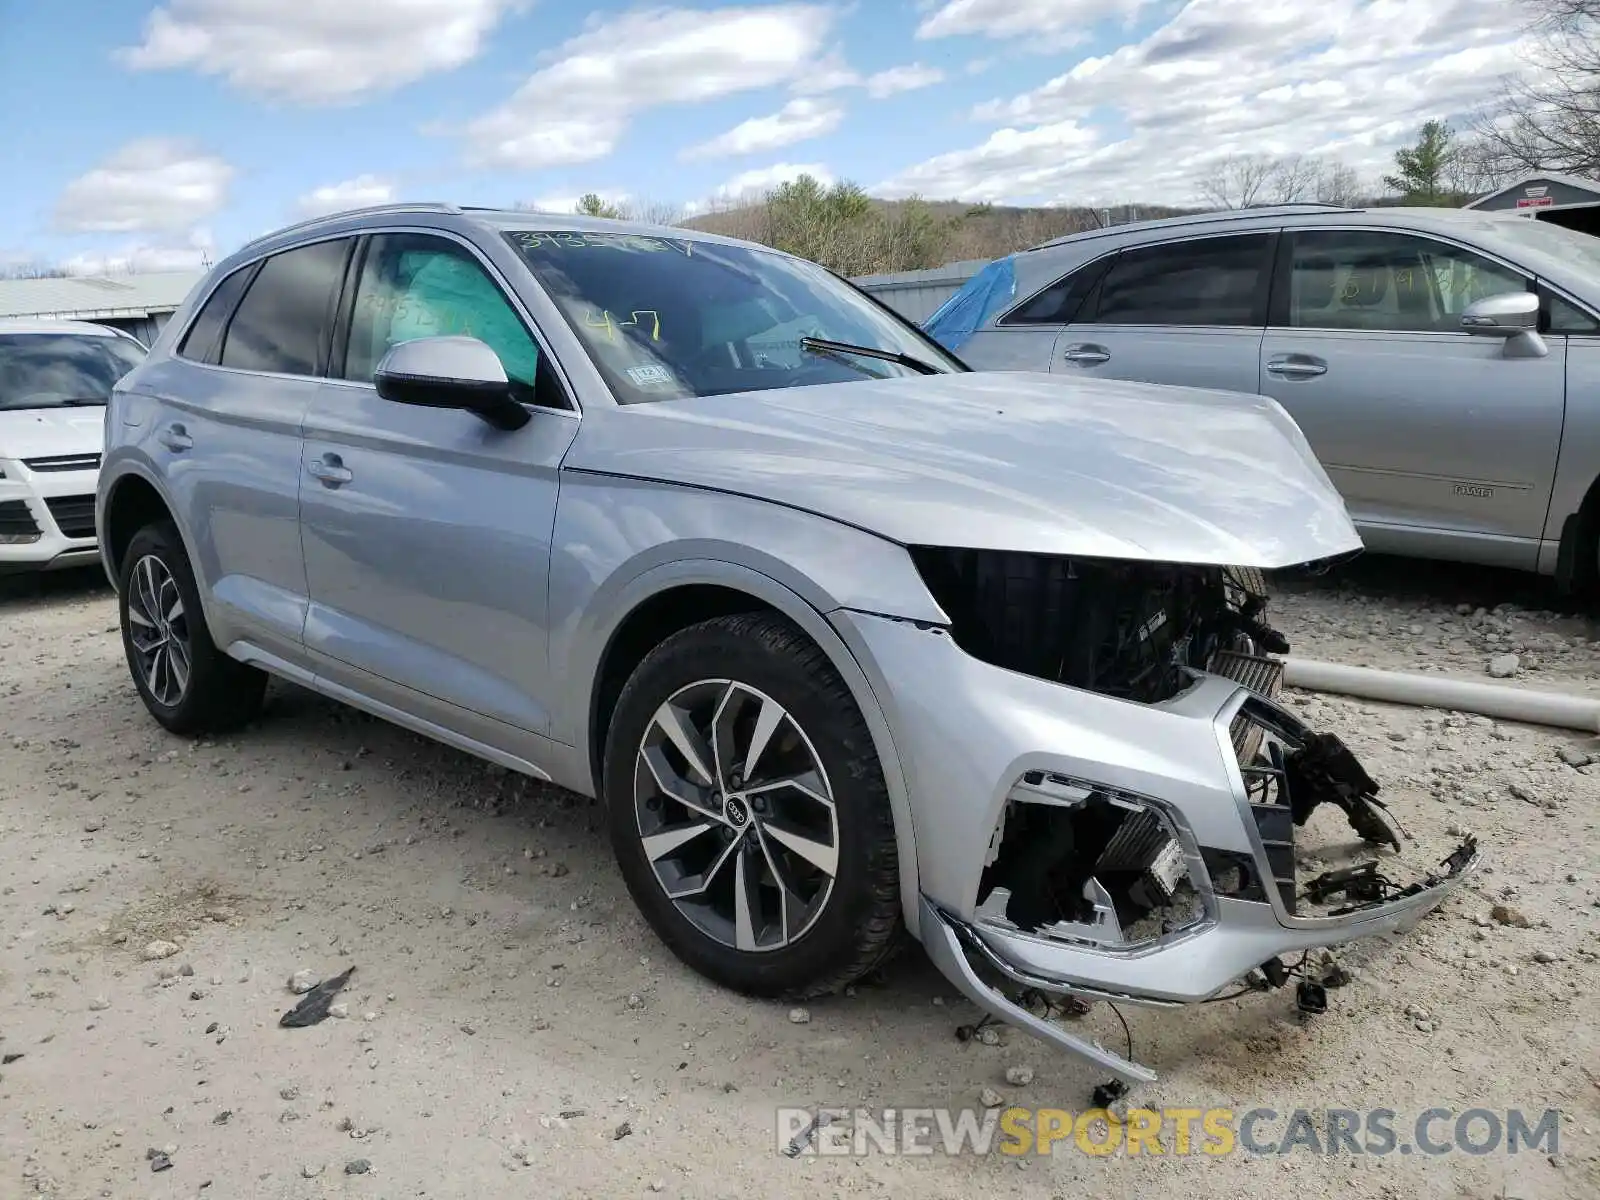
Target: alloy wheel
(736, 815)
(158, 629)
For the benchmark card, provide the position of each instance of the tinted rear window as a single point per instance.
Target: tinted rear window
(283, 323)
(1206, 281)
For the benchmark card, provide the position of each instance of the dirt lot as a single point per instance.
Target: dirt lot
(513, 1028)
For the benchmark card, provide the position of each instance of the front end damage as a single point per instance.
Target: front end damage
(1144, 791)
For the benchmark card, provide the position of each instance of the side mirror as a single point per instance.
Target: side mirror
(1504, 315)
(450, 372)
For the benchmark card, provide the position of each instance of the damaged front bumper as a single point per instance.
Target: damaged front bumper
(1152, 858)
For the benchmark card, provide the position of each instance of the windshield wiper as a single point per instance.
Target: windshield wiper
(825, 346)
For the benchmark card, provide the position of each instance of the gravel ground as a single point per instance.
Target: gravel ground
(512, 1027)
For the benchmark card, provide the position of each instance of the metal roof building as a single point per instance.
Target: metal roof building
(136, 304)
(1546, 196)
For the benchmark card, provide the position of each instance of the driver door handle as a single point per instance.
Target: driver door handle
(1086, 354)
(330, 469)
(1297, 366)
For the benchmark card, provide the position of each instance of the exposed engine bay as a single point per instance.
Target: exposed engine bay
(1123, 629)
(1079, 862)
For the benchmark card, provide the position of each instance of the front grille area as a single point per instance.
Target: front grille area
(16, 522)
(1266, 783)
(63, 462)
(1264, 677)
(73, 515)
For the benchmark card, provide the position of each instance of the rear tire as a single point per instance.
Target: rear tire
(187, 683)
(747, 861)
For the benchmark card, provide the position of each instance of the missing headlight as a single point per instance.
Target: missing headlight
(1078, 863)
(1132, 630)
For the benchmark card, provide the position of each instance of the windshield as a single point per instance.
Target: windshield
(57, 370)
(664, 318)
(1581, 250)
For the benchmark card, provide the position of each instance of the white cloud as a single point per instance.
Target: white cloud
(1016, 18)
(797, 121)
(1327, 77)
(191, 254)
(747, 187)
(151, 184)
(902, 79)
(576, 109)
(566, 205)
(307, 53)
(827, 74)
(360, 192)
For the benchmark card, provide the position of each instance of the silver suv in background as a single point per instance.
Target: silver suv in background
(849, 639)
(1443, 364)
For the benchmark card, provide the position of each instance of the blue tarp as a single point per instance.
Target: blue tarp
(990, 290)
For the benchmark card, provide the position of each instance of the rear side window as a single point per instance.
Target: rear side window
(1059, 303)
(285, 319)
(1205, 281)
(203, 342)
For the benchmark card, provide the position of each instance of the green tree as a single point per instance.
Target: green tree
(591, 205)
(1424, 170)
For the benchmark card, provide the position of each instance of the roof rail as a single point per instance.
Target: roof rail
(1198, 218)
(432, 206)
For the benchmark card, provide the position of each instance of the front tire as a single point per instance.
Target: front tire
(749, 813)
(187, 683)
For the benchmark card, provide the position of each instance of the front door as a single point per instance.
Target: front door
(1435, 437)
(426, 531)
(1185, 312)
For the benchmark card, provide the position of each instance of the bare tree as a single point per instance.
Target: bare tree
(32, 270)
(1295, 179)
(1549, 119)
(1238, 180)
(1338, 183)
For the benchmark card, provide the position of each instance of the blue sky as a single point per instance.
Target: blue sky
(158, 133)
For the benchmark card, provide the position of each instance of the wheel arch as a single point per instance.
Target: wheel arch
(131, 501)
(1578, 549)
(673, 596)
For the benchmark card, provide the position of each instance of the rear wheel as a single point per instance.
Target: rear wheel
(748, 810)
(187, 683)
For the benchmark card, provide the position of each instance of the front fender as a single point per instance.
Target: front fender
(618, 545)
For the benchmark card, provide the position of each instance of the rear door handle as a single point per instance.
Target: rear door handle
(1086, 354)
(1297, 366)
(330, 469)
(175, 438)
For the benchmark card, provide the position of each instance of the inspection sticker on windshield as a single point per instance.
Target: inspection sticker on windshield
(651, 375)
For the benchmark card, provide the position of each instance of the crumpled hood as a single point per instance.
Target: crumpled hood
(43, 432)
(1003, 461)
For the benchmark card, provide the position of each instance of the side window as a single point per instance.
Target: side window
(1387, 282)
(203, 342)
(1059, 303)
(283, 322)
(1565, 317)
(414, 285)
(1205, 281)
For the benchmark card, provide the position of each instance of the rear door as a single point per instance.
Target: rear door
(1438, 440)
(1188, 312)
(226, 436)
(427, 532)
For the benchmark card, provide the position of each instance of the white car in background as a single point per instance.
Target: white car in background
(55, 379)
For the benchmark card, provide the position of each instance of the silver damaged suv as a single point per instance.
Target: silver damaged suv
(851, 641)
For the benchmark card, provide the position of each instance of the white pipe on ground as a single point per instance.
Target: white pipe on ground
(1434, 691)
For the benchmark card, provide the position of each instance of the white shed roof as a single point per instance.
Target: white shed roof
(93, 297)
